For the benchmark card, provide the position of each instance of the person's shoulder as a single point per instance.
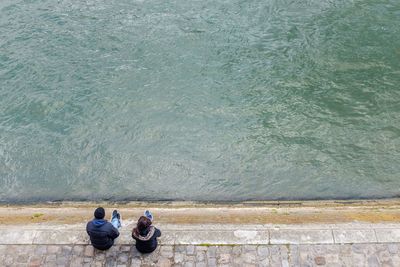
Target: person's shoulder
(108, 223)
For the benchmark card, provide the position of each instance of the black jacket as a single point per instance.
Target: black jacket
(146, 242)
(102, 233)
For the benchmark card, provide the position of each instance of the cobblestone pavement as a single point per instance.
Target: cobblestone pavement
(188, 255)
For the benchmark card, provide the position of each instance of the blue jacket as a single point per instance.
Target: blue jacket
(102, 233)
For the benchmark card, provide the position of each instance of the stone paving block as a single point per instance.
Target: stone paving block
(284, 236)
(224, 258)
(78, 249)
(384, 255)
(76, 261)
(212, 262)
(62, 261)
(126, 248)
(201, 248)
(224, 249)
(111, 252)
(167, 251)
(8, 260)
(88, 251)
(262, 252)
(388, 235)
(294, 255)
(200, 256)
(179, 257)
(53, 249)
(22, 258)
(136, 262)
(211, 252)
(164, 262)
(66, 250)
(189, 264)
(40, 249)
(351, 236)
(190, 250)
(111, 262)
(180, 248)
(393, 248)
(35, 261)
(249, 258)
(123, 257)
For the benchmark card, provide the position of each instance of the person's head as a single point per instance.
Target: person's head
(143, 224)
(99, 213)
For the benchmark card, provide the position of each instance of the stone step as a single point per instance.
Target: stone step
(212, 235)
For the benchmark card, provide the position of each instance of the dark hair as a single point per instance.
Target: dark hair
(99, 213)
(143, 224)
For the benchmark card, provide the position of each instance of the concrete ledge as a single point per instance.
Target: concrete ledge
(213, 234)
(303, 236)
(388, 235)
(351, 236)
(21, 237)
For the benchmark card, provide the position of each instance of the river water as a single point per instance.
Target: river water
(199, 100)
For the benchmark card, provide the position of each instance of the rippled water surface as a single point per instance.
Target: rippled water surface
(199, 100)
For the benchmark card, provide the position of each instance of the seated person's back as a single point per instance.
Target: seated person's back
(102, 233)
(145, 235)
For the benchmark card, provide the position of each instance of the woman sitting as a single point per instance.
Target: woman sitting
(145, 234)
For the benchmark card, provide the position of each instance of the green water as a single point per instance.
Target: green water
(199, 100)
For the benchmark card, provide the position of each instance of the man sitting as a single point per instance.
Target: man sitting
(102, 233)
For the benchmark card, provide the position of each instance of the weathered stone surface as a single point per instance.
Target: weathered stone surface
(221, 237)
(388, 235)
(36, 261)
(53, 249)
(319, 260)
(167, 251)
(293, 236)
(77, 250)
(190, 250)
(200, 255)
(212, 262)
(179, 257)
(123, 257)
(59, 237)
(392, 248)
(76, 261)
(22, 258)
(249, 258)
(89, 251)
(373, 261)
(361, 254)
(262, 252)
(351, 236)
(22, 237)
(224, 258)
(211, 252)
(41, 250)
